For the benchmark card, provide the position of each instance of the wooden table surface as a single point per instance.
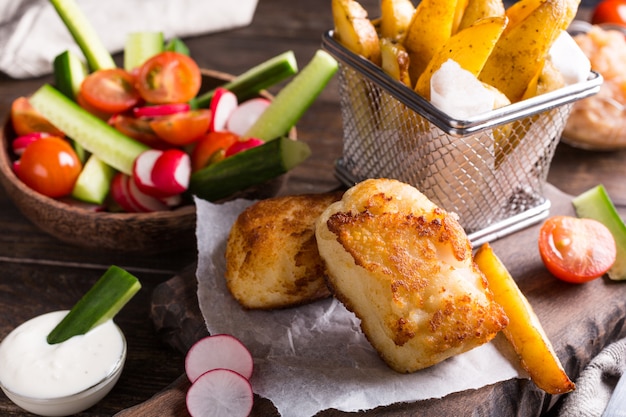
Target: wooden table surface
(40, 274)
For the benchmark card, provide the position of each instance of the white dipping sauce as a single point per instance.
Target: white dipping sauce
(31, 367)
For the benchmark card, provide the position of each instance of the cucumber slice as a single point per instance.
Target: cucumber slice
(84, 34)
(69, 73)
(295, 98)
(245, 169)
(257, 78)
(101, 303)
(596, 204)
(94, 181)
(95, 135)
(140, 46)
(177, 45)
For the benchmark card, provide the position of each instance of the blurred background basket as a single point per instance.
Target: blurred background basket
(490, 169)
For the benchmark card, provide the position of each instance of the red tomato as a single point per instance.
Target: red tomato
(169, 77)
(49, 166)
(138, 129)
(110, 90)
(182, 128)
(26, 120)
(610, 11)
(576, 250)
(211, 148)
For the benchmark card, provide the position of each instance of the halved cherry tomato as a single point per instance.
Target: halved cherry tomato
(110, 90)
(169, 77)
(49, 166)
(138, 129)
(91, 109)
(576, 250)
(182, 128)
(610, 11)
(26, 120)
(211, 148)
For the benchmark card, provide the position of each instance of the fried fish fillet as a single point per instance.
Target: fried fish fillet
(272, 259)
(404, 267)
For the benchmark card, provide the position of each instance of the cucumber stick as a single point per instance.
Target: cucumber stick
(295, 98)
(93, 134)
(596, 204)
(69, 73)
(245, 169)
(257, 78)
(140, 46)
(84, 34)
(94, 181)
(101, 303)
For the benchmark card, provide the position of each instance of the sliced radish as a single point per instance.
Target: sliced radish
(246, 114)
(242, 145)
(171, 171)
(120, 194)
(160, 109)
(21, 142)
(219, 393)
(145, 202)
(218, 351)
(223, 105)
(142, 173)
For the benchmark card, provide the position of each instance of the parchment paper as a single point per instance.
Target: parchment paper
(315, 357)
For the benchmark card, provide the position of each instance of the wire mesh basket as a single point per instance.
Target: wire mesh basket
(490, 169)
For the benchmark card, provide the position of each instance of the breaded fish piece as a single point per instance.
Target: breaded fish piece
(272, 259)
(404, 267)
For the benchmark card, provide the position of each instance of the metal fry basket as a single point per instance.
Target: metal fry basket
(489, 169)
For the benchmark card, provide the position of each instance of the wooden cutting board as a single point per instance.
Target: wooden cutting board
(579, 319)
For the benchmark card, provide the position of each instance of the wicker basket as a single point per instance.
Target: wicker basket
(490, 169)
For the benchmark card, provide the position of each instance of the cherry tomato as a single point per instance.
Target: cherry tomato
(110, 90)
(211, 148)
(91, 109)
(169, 77)
(610, 11)
(138, 129)
(182, 128)
(26, 120)
(49, 166)
(576, 250)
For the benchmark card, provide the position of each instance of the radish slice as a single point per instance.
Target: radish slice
(223, 105)
(242, 145)
(218, 351)
(246, 114)
(171, 171)
(145, 202)
(142, 173)
(21, 142)
(120, 194)
(218, 393)
(160, 109)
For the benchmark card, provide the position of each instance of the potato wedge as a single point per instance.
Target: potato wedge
(479, 9)
(520, 51)
(354, 30)
(461, 5)
(524, 331)
(430, 29)
(470, 48)
(395, 17)
(395, 61)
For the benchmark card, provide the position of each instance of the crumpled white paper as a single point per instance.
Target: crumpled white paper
(315, 357)
(32, 34)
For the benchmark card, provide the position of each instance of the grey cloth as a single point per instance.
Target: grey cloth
(596, 383)
(32, 34)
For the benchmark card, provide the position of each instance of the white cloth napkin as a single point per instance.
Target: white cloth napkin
(32, 34)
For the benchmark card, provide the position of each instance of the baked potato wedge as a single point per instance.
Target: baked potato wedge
(395, 17)
(470, 48)
(354, 30)
(429, 30)
(395, 61)
(479, 9)
(519, 53)
(524, 330)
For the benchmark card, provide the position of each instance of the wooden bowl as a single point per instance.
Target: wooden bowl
(157, 232)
